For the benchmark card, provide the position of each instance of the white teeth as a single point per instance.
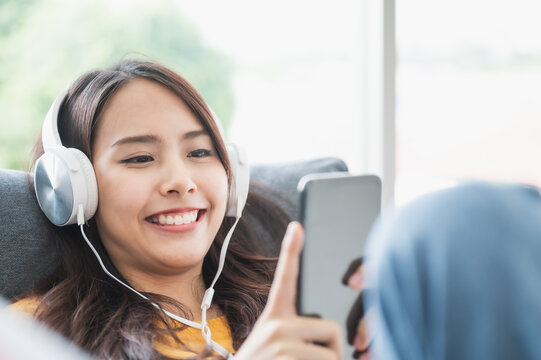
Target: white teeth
(186, 218)
(177, 219)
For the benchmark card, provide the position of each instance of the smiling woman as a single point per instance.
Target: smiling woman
(173, 167)
(155, 151)
(164, 186)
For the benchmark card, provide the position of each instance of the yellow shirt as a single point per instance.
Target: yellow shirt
(192, 337)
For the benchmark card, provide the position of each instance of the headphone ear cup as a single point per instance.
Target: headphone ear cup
(63, 180)
(238, 192)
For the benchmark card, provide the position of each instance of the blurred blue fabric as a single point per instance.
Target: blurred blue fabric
(457, 275)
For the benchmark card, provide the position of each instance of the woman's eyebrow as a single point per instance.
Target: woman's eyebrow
(194, 134)
(146, 139)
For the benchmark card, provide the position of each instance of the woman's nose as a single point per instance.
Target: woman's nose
(177, 179)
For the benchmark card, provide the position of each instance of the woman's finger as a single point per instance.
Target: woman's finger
(361, 340)
(283, 292)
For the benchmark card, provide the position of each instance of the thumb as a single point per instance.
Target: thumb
(283, 291)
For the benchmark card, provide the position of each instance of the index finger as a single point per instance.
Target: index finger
(283, 291)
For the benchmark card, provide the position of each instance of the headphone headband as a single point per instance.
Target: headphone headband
(49, 133)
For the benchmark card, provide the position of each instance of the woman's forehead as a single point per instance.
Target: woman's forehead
(145, 107)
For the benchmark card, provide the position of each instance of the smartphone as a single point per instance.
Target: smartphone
(337, 212)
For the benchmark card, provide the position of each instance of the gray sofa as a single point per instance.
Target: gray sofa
(23, 227)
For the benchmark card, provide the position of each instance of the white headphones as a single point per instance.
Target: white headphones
(64, 178)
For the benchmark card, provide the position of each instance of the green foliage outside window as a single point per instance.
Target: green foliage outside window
(45, 44)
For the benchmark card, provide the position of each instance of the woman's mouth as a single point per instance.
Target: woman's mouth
(176, 218)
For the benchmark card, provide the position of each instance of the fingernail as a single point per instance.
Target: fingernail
(360, 343)
(291, 226)
(356, 281)
(289, 230)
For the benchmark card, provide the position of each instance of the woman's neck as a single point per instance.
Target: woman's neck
(187, 288)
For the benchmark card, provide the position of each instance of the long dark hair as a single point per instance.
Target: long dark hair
(94, 311)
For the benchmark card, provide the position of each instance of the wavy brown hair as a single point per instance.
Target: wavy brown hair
(80, 301)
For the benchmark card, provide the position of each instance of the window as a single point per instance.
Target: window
(286, 77)
(298, 79)
(468, 79)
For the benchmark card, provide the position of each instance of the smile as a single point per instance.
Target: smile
(179, 218)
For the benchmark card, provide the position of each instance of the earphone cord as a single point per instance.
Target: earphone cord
(209, 293)
(207, 298)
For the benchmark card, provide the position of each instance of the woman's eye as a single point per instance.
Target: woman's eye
(200, 153)
(138, 159)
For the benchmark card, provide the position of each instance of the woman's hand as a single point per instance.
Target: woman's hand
(280, 333)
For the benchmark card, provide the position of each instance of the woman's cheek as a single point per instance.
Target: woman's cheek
(118, 194)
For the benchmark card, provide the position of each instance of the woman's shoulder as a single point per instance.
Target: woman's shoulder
(27, 305)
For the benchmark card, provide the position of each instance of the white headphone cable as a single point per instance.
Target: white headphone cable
(207, 298)
(209, 293)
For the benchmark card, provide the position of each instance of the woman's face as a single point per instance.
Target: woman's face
(162, 188)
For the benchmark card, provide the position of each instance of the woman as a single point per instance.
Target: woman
(163, 176)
